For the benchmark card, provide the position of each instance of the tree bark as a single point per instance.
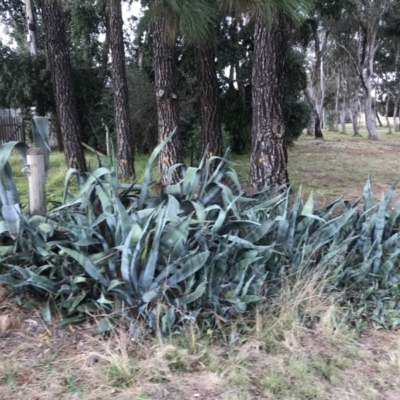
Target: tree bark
(103, 59)
(269, 153)
(365, 71)
(378, 118)
(31, 23)
(316, 88)
(343, 108)
(209, 105)
(370, 119)
(354, 108)
(387, 114)
(396, 115)
(166, 97)
(311, 125)
(315, 119)
(123, 129)
(63, 84)
(337, 96)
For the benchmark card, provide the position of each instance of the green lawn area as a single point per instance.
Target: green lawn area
(334, 167)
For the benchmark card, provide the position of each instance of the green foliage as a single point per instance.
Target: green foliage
(9, 199)
(237, 121)
(201, 251)
(24, 80)
(296, 111)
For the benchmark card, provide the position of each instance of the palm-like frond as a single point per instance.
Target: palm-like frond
(188, 18)
(295, 9)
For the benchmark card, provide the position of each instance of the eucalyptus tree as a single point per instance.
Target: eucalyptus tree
(318, 26)
(169, 18)
(63, 84)
(123, 128)
(272, 29)
(368, 17)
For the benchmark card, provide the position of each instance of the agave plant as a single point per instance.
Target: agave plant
(9, 199)
(203, 249)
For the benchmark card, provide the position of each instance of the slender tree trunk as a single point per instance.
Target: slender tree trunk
(396, 115)
(120, 90)
(387, 115)
(354, 108)
(166, 97)
(209, 106)
(269, 154)
(366, 69)
(311, 125)
(33, 46)
(343, 105)
(378, 118)
(102, 74)
(370, 119)
(355, 116)
(315, 115)
(315, 93)
(336, 121)
(240, 83)
(63, 85)
(31, 22)
(343, 120)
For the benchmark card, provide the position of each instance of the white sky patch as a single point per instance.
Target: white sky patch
(127, 11)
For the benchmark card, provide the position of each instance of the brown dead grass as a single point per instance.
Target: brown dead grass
(338, 166)
(299, 350)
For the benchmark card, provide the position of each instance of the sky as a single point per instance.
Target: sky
(127, 12)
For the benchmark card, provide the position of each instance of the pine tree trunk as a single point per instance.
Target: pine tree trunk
(209, 106)
(123, 129)
(268, 147)
(166, 97)
(63, 85)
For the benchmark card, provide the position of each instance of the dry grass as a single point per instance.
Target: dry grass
(299, 349)
(339, 165)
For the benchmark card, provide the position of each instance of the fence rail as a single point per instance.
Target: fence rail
(12, 128)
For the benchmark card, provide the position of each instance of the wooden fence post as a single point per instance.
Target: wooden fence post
(36, 181)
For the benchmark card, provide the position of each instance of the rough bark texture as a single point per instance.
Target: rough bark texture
(120, 91)
(208, 95)
(269, 155)
(63, 85)
(166, 97)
